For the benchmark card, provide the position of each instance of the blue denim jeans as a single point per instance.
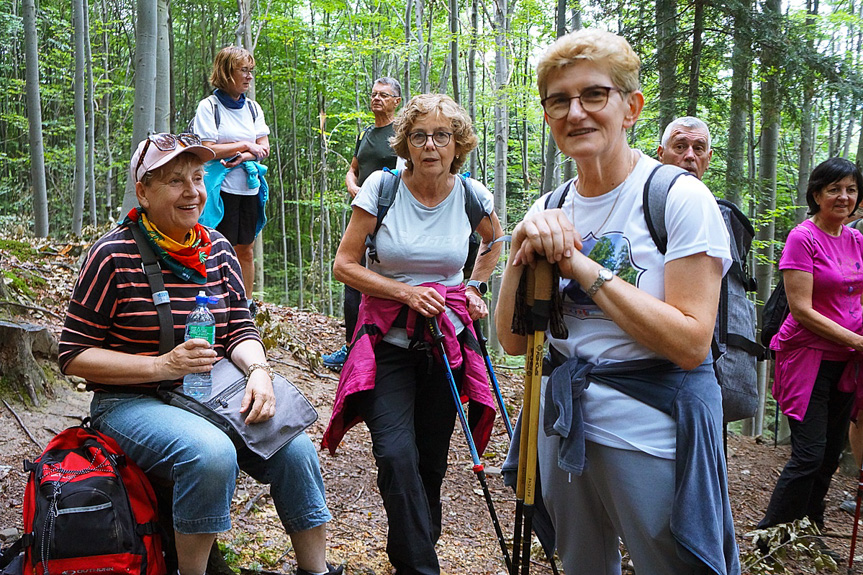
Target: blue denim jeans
(177, 446)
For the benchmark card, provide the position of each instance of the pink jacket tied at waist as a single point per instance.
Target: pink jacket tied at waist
(376, 316)
(798, 357)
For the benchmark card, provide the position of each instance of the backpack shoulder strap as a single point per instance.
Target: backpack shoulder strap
(157, 286)
(217, 116)
(556, 198)
(472, 205)
(656, 189)
(387, 190)
(253, 108)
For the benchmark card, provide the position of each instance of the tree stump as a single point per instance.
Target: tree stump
(21, 373)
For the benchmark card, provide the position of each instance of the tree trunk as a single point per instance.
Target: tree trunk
(145, 85)
(163, 68)
(91, 124)
(34, 116)
(768, 159)
(453, 49)
(807, 134)
(18, 342)
(80, 120)
(501, 133)
(666, 59)
(741, 64)
(695, 61)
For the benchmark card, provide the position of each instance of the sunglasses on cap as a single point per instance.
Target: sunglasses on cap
(166, 142)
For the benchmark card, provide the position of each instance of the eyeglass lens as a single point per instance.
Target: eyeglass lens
(382, 95)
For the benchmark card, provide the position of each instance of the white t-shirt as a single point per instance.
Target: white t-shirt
(616, 235)
(417, 244)
(234, 126)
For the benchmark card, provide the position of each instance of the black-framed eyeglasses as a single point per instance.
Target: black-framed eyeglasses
(592, 99)
(439, 138)
(382, 95)
(166, 142)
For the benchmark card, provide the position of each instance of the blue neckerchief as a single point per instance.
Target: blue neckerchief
(229, 102)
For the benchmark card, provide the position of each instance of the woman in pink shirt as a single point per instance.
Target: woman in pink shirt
(818, 346)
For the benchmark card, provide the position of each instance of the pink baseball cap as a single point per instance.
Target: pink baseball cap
(159, 149)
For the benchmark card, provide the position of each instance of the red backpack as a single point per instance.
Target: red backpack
(89, 509)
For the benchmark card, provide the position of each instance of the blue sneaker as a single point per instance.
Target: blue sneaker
(336, 360)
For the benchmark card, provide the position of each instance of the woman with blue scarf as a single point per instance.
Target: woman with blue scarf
(233, 127)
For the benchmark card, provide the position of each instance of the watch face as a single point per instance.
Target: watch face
(606, 274)
(481, 287)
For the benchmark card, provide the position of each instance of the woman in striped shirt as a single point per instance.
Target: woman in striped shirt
(111, 338)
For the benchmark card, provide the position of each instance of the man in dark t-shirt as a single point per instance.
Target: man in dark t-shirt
(372, 153)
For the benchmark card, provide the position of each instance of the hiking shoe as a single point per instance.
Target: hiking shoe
(336, 360)
(849, 506)
(331, 570)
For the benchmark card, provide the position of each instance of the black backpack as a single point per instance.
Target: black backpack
(387, 192)
(773, 313)
(734, 346)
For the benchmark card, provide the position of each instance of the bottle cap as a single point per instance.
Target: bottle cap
(201, 298)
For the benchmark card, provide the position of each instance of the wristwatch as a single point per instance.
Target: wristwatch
(604, 275)
(481, 287)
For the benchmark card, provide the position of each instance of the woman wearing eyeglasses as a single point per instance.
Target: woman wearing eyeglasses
(233, 127)
(391, 380)
(111, 338)
(643, 462)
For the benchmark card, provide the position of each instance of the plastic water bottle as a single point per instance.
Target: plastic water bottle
(200, 325)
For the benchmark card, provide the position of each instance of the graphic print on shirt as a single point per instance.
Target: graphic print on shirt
(611, 251)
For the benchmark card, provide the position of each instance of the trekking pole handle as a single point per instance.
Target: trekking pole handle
(434, 328)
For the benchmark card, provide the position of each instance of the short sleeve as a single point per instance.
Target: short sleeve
(205, 121)
(367, 197)
(486, 198)
(261, 128)
(695, 224)
(799, 251)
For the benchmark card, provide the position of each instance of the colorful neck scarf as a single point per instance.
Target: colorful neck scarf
(186, 260)
(229, 102)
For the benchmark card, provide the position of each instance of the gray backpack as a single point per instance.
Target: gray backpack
(735, 349)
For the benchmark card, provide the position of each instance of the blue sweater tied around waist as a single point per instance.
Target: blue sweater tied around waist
(701, 520)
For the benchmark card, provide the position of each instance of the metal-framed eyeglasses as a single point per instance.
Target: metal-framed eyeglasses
(246, 71)
(382, 95)
(592, 99)
(166, 142)
(440, 139)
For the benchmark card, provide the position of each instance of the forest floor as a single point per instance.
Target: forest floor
(357, 535)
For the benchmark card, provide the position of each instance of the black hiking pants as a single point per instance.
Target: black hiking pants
(816, 446)
(411, 415)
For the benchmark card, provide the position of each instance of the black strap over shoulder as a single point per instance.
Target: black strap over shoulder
(386, 196)
(153, 271)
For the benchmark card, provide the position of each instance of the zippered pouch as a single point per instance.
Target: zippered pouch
(294, 413)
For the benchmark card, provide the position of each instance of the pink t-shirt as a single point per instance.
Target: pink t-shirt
(836, 265)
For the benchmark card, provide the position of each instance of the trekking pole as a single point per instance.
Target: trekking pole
(492, 378)
(525, 417)
(856, 519)
(540, 310)
(478, 469)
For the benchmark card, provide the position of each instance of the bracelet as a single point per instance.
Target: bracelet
(265, 366)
